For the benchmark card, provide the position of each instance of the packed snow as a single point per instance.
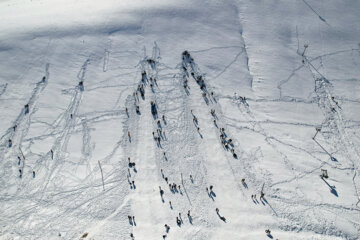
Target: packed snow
(219, 119)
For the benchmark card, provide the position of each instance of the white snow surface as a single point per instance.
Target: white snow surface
(241, 48)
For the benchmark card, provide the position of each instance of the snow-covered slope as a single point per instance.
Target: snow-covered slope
(76, 140)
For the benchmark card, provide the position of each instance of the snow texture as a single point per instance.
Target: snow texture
(278, 78)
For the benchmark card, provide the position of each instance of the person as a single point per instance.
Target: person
(188, 214)
(170, 204)
(167, 228)
(166, 179)
(132, 236)
(129, 134)
(52, 154)
(211, 188)
(178, 221)
(262, 195)
(164, 236)
(26, 108)
(163, 118)
(133, 218)
(33, 174)
(10, 143)
(217, 210)
(161, 191)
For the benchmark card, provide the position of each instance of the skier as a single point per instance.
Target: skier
(262, 195)
(33, 174)
(188, 214)
(178, 221)
(217, 210)
(14, 127)
(161, 192)
(10, 143)
(52, 154)
(20, 173)
(170, 204)
(167, 228)
(26, 108)
(132, 236)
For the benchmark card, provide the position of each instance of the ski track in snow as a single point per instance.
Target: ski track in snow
(98, 194)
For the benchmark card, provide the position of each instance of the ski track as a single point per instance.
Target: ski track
(187, 152)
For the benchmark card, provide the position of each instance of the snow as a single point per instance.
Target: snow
(249, 49)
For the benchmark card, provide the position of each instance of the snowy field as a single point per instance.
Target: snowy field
(64, 169)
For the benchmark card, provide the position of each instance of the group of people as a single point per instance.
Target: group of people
(159, 134)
